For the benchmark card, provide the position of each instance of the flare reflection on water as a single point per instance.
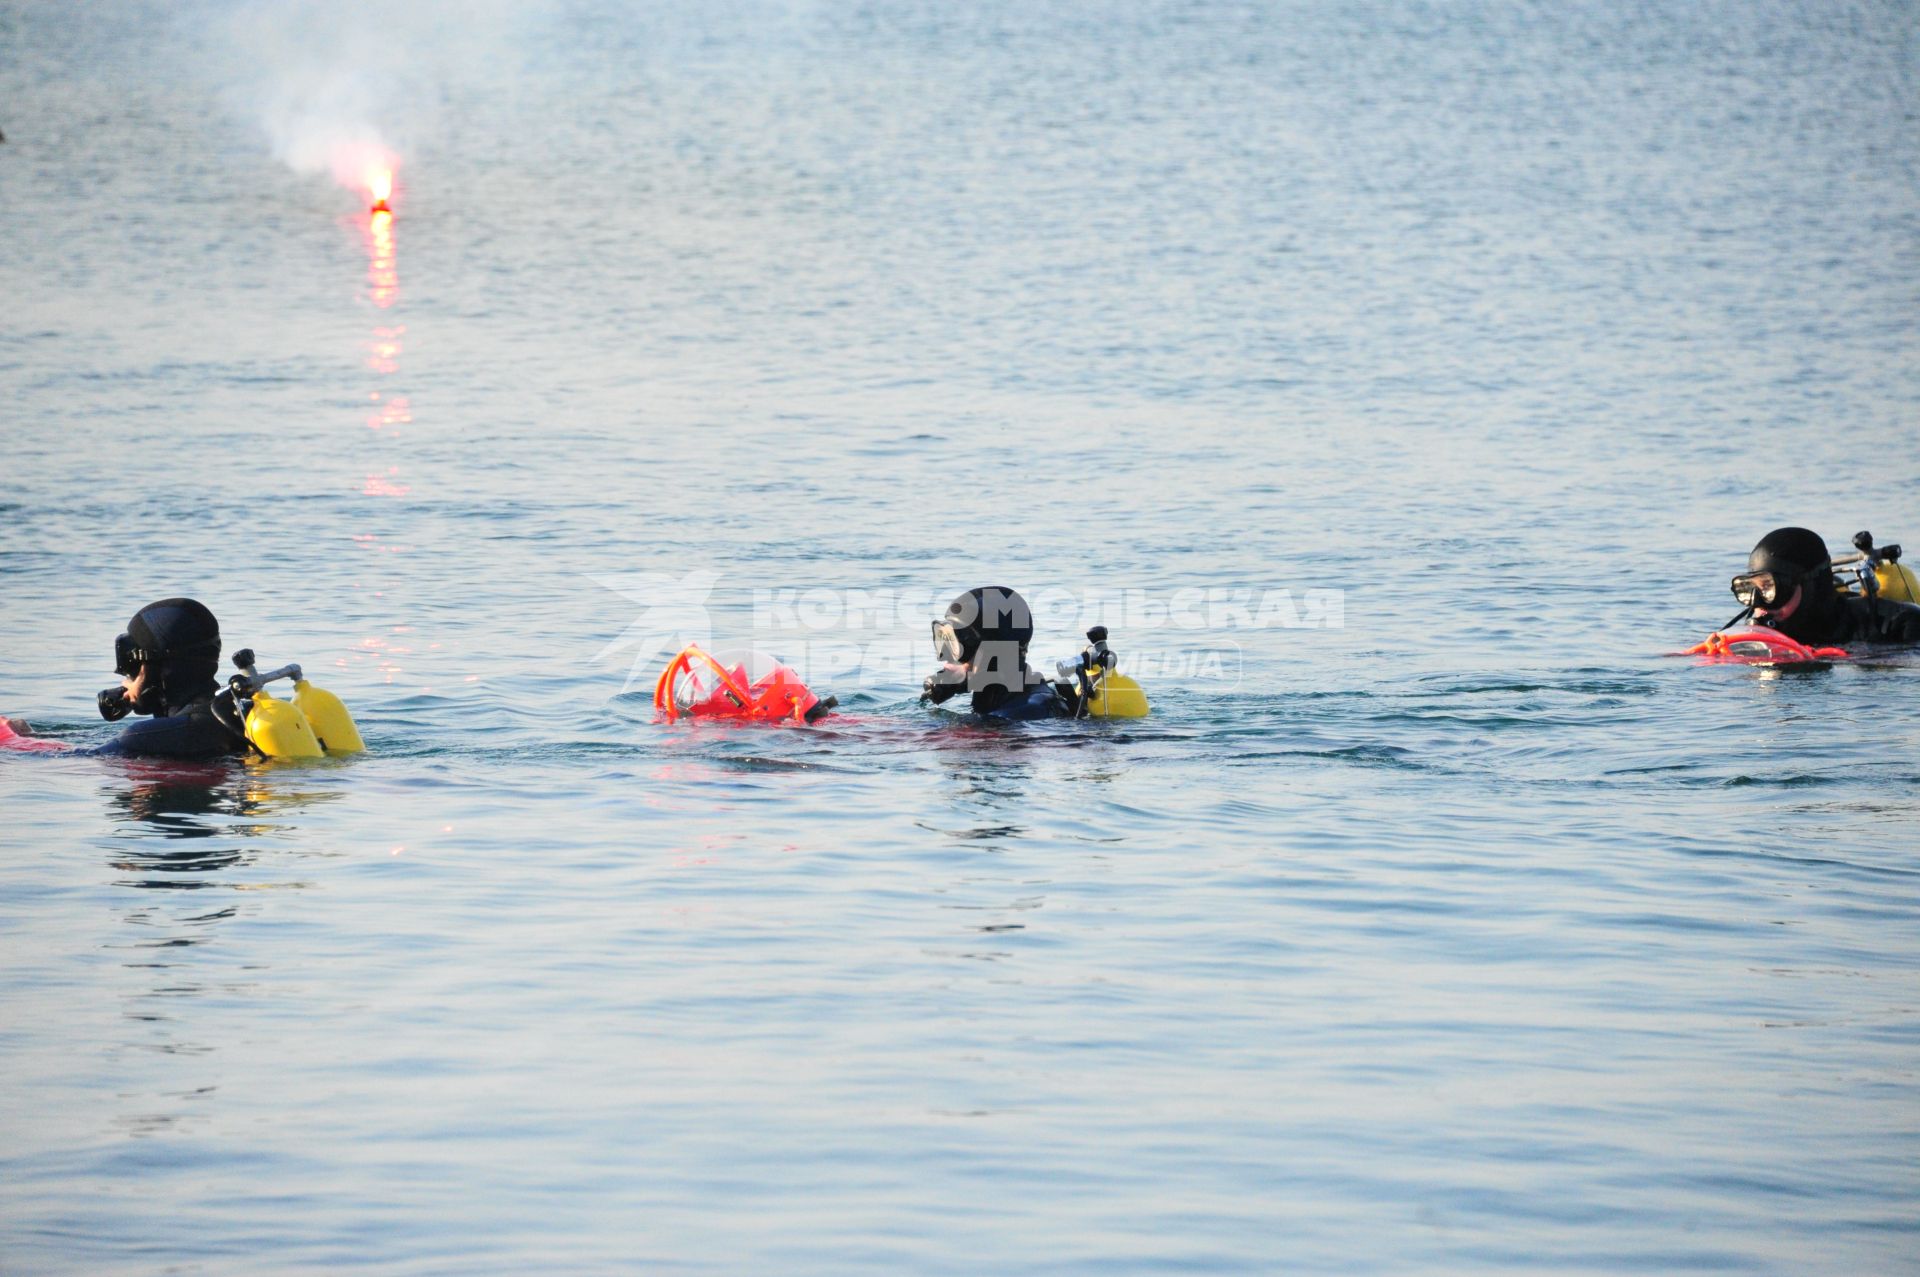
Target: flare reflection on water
(383, 276)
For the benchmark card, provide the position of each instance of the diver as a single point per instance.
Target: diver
(982, 645)
(1789, 586)
(167, 661)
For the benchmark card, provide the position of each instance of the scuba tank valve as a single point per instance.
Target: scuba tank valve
(1877, 572)
(1100, 690)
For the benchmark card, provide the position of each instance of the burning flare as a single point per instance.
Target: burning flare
(366, 164)
(379, 184)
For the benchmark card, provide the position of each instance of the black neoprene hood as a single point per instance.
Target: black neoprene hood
(990, 612)
(1789, 552)
(182, 640)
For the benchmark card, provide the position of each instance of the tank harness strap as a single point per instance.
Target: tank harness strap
(226, 712)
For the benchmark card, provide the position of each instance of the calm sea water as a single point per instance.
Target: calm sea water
(1471, 935)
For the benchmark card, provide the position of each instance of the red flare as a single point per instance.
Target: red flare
(379, 183)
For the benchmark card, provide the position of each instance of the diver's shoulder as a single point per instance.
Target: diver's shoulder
(189, 731)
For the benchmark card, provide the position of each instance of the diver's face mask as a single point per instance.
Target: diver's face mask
(1757, 589)
(114, 702)
(126, 657)
(946, 643)
(1767, 589)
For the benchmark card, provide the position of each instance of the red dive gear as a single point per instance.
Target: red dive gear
(10, 739)
(1760, 646)
(756, 687)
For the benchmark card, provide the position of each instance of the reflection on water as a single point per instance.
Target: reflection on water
(170, 798)
(179, 862)
(226, 813)
(383, 274)
(383, 352)
(388, 410)
(388, 413)
(385, 485)
(986, 768)
(203, 800)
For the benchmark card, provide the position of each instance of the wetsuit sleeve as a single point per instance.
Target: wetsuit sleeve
(175, 736)
(1900, 623)
(942, 691)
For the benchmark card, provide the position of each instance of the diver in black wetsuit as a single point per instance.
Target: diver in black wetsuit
(1789, 585)
(982, 644)
(168, 661)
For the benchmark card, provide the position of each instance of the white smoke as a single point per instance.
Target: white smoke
(344, 86)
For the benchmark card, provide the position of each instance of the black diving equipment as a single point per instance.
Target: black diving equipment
(128, 660)
(1788, 560)
(1875, 573)
(982, 643)
(176, 642)
(114, 702)
(1867, 571)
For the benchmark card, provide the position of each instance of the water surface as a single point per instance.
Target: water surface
(1473, 935)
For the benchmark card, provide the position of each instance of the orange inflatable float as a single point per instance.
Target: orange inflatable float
(1760, 646)
(755, 687)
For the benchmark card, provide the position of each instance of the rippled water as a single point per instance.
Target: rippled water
(1474, 935)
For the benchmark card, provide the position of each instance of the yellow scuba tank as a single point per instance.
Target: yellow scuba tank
(1095, 678)
(1116, 696)
(328, 717)
(312, 725)
(1897, 582)
(279, 730)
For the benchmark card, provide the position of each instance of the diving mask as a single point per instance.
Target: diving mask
(114, 702)
(946, 643)
(126, 657)
(1764, 589)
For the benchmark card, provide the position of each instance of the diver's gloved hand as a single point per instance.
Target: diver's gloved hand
(944, 683)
